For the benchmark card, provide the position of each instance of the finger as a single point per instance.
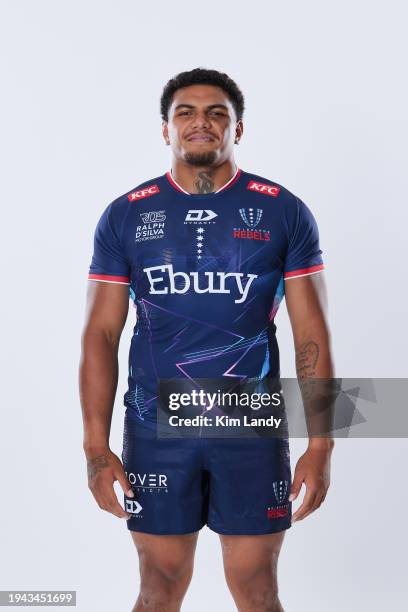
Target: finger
(107, 500)
(306, 505)
(318, 501)
(296, 486)
(316, 504)
(124, 483)
(113, 506)
(324, 494)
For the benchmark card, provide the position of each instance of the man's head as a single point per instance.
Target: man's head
(202, 114)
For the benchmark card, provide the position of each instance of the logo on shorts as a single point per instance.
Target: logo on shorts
(133, 507)
(274, 512)
(143, 193)
(280, 488)
(271, 190)
(148, 483)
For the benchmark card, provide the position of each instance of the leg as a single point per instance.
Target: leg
(250, 565)
(166, 567)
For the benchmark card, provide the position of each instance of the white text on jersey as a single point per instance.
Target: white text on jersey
(215, 282)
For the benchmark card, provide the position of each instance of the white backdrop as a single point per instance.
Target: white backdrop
(326, 99)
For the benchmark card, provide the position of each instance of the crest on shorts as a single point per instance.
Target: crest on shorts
(280, 488)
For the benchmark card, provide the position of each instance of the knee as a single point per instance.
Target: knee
(173, 572)
(254, 589)
(163, 586)
(262, 599)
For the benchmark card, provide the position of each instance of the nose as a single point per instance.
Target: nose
(200, 120)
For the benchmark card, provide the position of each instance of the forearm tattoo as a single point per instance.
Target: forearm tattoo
(96, 465)
(306, 359)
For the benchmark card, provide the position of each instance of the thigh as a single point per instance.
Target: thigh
(166, 567)
(172, 556)
(249, 555)
(250, 565)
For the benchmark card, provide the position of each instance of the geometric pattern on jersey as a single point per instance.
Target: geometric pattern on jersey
(206, 274)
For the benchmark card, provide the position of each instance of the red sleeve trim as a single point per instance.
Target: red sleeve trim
(108, 278)
(303, 271)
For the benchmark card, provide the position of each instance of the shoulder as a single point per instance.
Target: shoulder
(142, 190)
(118, 208)
(291, 205)
(265, 186)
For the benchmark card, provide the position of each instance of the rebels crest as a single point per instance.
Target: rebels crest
(250, 216)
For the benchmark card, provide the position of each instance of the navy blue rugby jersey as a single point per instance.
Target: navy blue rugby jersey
(206, 273)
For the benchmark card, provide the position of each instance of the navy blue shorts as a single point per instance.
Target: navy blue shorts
(236, 486)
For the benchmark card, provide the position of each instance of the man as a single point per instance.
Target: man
(206, 251)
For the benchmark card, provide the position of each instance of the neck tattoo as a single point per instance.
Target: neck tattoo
(204, 183)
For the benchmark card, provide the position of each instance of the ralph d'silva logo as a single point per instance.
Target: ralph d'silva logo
(152, 227)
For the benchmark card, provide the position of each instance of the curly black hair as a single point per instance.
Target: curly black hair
(202, 76)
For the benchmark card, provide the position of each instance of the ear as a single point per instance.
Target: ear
(165, 130)
(239, 130)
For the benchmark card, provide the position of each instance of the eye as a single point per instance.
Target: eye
(184, 113)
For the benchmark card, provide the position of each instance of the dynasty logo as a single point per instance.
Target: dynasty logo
(207, 282)
(200, 216)
(133, 507)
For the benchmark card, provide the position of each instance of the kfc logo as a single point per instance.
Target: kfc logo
(270, 190)
(143, 193)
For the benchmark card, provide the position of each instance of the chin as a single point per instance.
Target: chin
(200, 158)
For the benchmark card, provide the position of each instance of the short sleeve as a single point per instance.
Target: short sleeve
(109, 263)
(304, 255)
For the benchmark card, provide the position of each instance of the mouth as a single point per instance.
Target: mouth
(200, 138)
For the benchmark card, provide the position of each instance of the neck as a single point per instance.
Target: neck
(206, 179)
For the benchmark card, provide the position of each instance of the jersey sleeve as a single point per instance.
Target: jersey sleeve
(109, 262)
(304, 255)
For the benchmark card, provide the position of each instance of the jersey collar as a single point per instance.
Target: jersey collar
(178, 187)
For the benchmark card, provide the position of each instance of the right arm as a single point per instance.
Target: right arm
(106, 313)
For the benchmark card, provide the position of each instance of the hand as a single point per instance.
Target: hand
(104, 467)
(313, 468)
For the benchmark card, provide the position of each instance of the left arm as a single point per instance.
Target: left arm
(306, 300)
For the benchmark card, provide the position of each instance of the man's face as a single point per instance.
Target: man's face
(202, 126)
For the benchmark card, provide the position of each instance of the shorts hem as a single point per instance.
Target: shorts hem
(234, 531)
(165, 532)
